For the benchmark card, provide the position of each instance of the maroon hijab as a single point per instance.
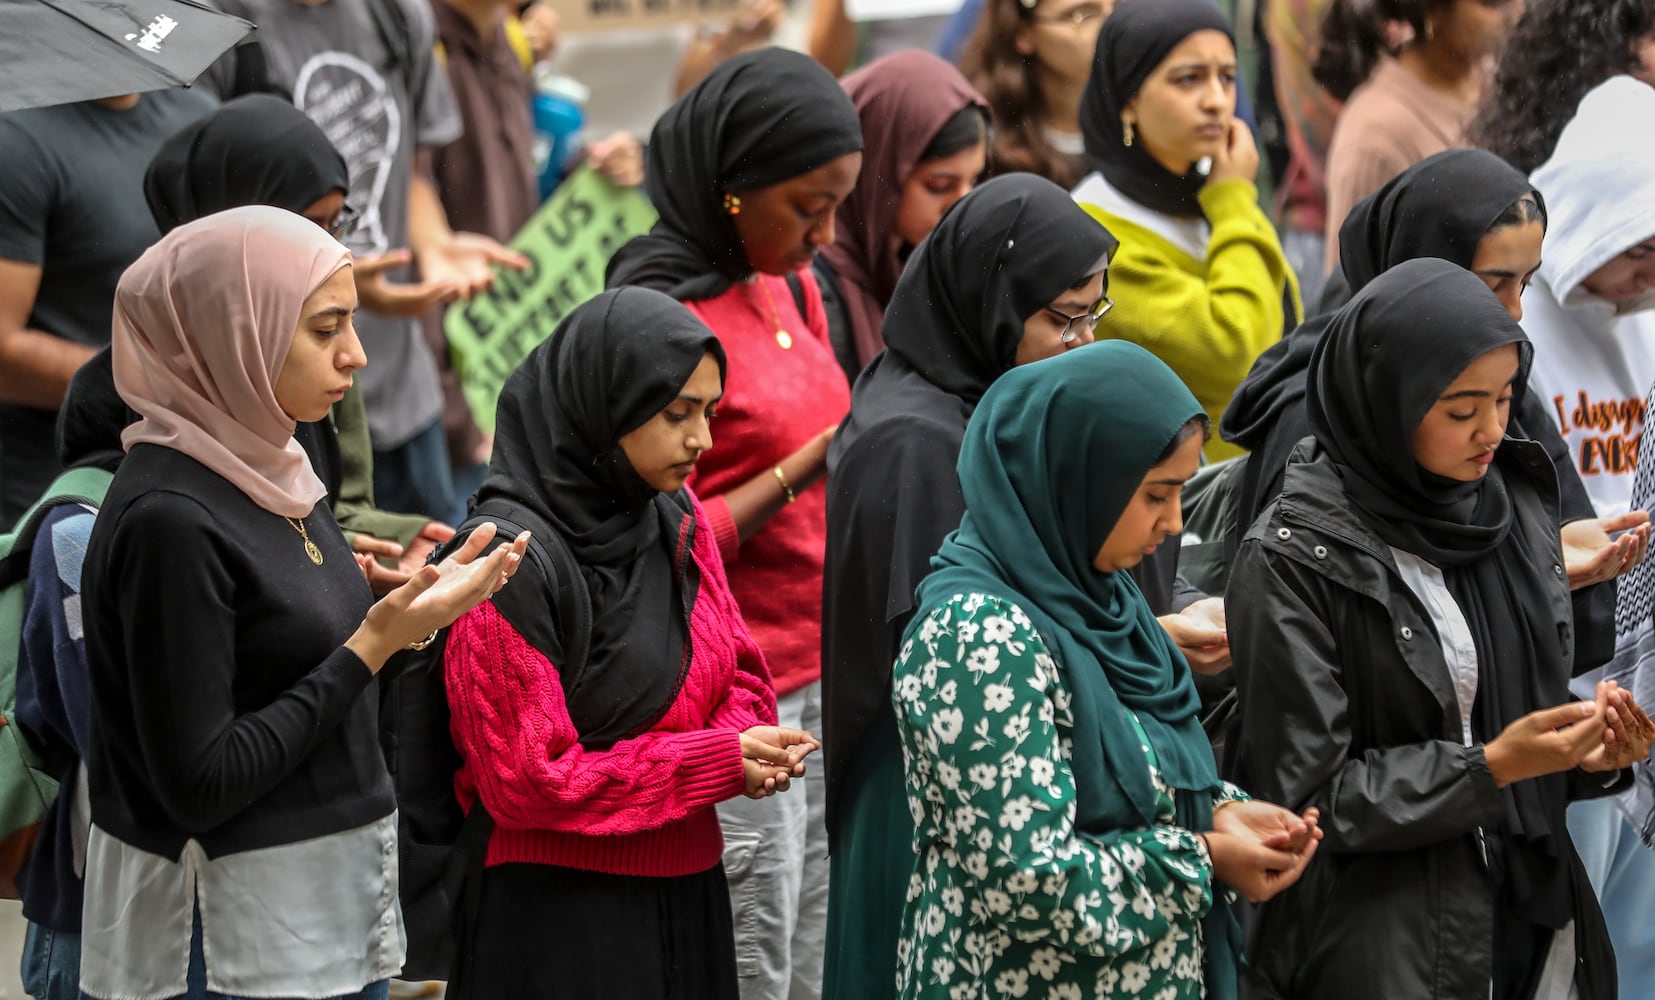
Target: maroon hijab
(903, 100)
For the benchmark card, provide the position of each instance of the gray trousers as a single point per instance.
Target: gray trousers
(775, 856)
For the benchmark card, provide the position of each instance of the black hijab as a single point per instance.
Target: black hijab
(254, 150)
(611, 366)
(1440, 207)
(92, 417)
(1382, 364)
(1135, 39)
(757, 120)
(1001, 254)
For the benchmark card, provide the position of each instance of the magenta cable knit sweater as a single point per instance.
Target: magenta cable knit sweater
(642, 807)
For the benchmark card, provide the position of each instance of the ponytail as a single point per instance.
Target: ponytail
(1353, 37)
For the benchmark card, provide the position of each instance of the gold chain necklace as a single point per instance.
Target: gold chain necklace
(783, 338)
(311, 550)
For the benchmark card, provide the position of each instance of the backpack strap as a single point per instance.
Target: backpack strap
(391, 24)
(557, 564)
(85, 484)
(797, 287)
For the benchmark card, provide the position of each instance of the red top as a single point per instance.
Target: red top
(775, 400)
(645, 805)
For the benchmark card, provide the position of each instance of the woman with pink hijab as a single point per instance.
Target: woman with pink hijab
(243, 829)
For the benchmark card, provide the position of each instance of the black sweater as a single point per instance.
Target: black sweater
(224, 707)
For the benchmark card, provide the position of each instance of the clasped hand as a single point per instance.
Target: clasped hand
(773, 755)
(1259, 849)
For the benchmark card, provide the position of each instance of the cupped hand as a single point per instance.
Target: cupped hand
(369, 551)
(423, 544)
(1269, 825)
(377, 293)
(1628, 733)
(1255, 871)
(466, 262)
(1238, 159)
(436, 595)
(771, 756)
(762, 780)
(1592, 556)
(779, 746)
(1545, 742)
(1199, 633)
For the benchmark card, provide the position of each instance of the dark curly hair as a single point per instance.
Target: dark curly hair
(1558, 52)
(1353, 38)
(1010, 82)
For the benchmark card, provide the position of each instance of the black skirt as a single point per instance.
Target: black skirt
(550, 933)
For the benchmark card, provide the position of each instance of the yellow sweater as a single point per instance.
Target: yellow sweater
(1207, 319)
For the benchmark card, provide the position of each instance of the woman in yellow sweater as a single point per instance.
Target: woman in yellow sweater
(1200, 278)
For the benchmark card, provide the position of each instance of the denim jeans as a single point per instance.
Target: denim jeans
(415, 478)
(196, 983)
(51, 964)
(1622, 870)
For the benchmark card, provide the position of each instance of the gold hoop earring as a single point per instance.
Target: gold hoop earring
(1126, 131)
(732, 204)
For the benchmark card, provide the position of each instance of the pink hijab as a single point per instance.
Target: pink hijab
(203, 323)
(903, 100)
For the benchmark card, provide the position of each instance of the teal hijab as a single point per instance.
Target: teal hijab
(1052, 455)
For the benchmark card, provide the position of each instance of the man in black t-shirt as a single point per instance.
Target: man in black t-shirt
(72, 217)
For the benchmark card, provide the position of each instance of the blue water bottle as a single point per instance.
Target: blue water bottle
(558, 120)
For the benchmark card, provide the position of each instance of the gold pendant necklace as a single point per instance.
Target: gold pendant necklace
(783, 338)
(311, 550)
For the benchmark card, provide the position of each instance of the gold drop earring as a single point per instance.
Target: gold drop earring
(1126, 130)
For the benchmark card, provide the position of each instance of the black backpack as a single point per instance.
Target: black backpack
(442, 848)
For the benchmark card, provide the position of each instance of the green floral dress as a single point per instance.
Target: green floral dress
(1007, 898)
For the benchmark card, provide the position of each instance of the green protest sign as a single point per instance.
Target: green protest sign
(568, 243)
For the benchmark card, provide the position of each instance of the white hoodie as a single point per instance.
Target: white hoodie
(1594, 360)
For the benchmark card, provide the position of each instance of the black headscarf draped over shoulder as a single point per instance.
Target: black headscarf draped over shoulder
(1003, 253)
(1135, 39)
(1380, 367)
(757, 120)
(1440, 207)
(611, 366)
(1383, 363)
(254, 150)
(1000, 255)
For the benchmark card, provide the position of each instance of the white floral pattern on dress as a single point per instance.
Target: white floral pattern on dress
(1008, 900)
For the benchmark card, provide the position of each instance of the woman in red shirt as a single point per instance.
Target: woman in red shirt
(747, 170)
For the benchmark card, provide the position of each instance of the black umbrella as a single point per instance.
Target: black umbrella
(58, 51)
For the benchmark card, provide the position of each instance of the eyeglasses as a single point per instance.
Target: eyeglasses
(1074, 17)
(1087, 321)
(345, 223)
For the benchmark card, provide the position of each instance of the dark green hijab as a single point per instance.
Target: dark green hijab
(1052, 456)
